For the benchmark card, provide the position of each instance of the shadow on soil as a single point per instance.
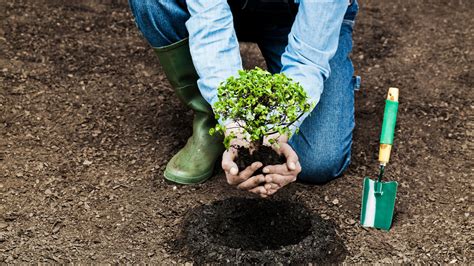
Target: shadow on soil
(241, 230)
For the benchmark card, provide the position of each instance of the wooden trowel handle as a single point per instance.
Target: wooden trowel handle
(388, 126)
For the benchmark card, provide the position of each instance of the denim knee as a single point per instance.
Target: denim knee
(319, 167)
(161, 22)
(144, 11)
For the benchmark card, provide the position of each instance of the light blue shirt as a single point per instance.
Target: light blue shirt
(312, 42)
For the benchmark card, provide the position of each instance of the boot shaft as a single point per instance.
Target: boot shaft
(178, 66)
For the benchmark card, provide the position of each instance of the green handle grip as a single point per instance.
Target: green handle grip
(388, 126)
(389, 121)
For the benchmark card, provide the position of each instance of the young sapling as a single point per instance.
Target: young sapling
(261, 105)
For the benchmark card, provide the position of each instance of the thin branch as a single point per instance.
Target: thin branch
(287, 124)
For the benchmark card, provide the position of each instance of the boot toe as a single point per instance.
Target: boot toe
(187, 171)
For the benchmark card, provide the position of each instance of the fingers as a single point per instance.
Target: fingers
(268, 186)
(277, 176)
(280, 180)
(290, 154)
(271, 188)
(292, 165)
(260, 190)
(273, 182)
(228, 163)
(276, 169)
(248, 172)
(235, 178)
(252, 182)
(282, 169)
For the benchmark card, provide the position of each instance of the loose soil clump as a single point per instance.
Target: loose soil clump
(242, 230)
(265, 154)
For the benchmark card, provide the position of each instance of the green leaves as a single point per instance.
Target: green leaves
(265, 103)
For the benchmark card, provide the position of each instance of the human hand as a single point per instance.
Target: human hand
(278, 176)
(241, 179)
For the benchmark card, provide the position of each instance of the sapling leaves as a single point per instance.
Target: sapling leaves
(264, 103)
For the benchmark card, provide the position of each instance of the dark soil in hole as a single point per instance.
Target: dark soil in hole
(261, 224)
(241, 230)
(265, 154)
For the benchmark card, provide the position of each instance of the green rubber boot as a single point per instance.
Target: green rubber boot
(195, 162)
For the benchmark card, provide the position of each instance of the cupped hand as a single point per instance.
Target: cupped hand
(241, 178)
(278, 176)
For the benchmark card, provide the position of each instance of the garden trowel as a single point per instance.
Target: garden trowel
(378, 198)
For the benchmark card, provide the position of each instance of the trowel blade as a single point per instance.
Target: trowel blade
(378, 203)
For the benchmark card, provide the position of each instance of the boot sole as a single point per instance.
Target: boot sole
(188, 180)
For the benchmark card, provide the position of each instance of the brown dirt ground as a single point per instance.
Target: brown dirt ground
(88, 122)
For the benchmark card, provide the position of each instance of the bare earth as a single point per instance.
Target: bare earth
(88, 122)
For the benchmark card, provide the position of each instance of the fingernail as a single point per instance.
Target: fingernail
(234, 171)
(265, 170)
(291, 166)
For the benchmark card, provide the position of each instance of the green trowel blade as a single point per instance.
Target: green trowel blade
(378, 203)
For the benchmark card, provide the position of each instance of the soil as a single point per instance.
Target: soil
(264, 154)
(88, 122)
(240, 230)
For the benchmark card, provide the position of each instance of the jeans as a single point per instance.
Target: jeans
(324, 140)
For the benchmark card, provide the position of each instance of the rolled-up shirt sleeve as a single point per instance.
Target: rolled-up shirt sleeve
(213, 44)
(312, 42)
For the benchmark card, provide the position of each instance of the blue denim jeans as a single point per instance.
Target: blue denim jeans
(324, 141)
